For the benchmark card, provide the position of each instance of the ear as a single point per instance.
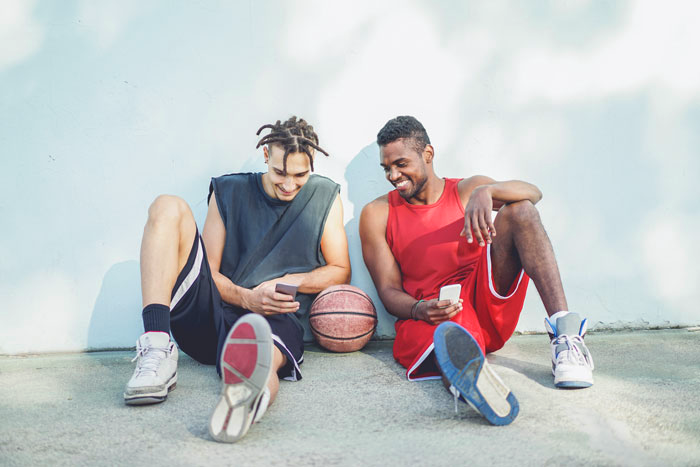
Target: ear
(267, 154)
(428, 154)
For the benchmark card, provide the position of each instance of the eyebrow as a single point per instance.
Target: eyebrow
(292, 174)
(401, 159)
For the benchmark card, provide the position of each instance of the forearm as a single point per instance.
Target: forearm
(397, 302)
(514, 191)
(319, 279)
(230, 292)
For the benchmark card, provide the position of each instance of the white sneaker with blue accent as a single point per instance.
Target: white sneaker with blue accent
(471, 378)
(572, 363)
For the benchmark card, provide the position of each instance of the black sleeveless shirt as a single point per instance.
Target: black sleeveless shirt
(253, 219)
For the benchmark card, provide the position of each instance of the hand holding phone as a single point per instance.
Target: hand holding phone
(451, 293)
(286, 289)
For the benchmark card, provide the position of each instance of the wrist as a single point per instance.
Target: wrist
(414, 310)
(244, 295)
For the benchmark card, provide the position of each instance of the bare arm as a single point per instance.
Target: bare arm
(481, 195)
(386, 273)
(334, 246)
(262, 301)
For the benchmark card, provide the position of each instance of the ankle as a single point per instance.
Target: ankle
(156, 318)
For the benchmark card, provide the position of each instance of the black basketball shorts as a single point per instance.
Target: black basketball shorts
(200, 319)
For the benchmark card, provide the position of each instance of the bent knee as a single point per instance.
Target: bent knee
(167, 207)
(521, 212)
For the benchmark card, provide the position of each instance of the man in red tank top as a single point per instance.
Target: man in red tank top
(431, 232)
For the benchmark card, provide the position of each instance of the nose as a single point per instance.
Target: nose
(288, 184)
(393, 174)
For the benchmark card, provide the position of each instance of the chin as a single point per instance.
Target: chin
(407, 194)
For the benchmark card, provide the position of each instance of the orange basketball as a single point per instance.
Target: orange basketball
(343, 318)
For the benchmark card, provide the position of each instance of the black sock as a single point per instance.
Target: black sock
(156, 317)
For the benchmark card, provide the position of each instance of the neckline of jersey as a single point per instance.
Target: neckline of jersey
(441, 199)
(267, 197)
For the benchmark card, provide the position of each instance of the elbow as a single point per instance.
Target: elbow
(347, 277)
(537, 195)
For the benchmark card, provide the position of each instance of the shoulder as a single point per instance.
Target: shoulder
(376, 211)
(233, 179)
(319, 181)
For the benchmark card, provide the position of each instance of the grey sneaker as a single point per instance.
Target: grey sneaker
(246, 366)
(156, 370)
(572, 363)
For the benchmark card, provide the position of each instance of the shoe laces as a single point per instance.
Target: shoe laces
(456, 395)
(148, 358)
(574, 353)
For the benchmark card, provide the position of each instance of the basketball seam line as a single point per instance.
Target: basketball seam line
(345, 290)
(374, 328)
(357, 313)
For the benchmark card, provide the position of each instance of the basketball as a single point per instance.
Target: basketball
(343, 318)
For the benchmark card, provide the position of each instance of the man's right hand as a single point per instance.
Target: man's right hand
(436, 312)
(263, 300)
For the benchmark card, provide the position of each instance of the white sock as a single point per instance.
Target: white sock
(557, 315)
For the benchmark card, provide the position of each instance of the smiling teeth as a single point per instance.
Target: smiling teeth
(400, 184)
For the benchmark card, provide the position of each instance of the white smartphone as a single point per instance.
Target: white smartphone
(451, 293)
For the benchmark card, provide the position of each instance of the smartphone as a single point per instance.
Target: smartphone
(451, 293)
(286, 289)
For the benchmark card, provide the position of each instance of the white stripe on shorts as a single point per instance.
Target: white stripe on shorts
(295, 371)
(191, 276)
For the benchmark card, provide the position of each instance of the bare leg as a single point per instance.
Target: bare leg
(278, 361)
(522, 243)
(166, 244)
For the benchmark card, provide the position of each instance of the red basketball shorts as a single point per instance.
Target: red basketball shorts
(488, 316)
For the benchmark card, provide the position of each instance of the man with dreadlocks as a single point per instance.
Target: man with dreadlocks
(218, 292)
(432, 232)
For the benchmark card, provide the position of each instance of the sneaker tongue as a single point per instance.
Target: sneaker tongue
(569, 325)
(156, 339)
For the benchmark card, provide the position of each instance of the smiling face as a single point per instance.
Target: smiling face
(282, 182)
(404, 167)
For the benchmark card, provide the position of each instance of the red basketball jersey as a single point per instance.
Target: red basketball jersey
(425, 242)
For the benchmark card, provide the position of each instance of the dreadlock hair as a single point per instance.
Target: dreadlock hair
(293, 136)
(404, 127)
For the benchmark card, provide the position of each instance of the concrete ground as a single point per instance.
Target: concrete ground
(358, 409)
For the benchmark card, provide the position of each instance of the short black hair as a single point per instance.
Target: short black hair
(404, 127)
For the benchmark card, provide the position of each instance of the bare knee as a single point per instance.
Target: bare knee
(521, 213)
(167, 208)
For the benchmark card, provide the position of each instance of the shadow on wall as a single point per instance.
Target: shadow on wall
(365, 182)
(116, 317)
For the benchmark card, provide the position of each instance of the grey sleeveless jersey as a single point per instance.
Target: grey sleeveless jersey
(253, 220)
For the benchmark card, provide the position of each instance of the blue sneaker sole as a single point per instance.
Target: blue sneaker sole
(462, 362)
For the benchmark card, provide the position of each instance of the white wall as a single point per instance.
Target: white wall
(105, 104)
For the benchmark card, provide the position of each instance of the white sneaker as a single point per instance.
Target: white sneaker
(572, 363)
(246, 367)
(156, 370)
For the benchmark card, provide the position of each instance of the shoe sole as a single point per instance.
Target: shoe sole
(246, 366)
(573, 380)
(153, 397)
(465, 367)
